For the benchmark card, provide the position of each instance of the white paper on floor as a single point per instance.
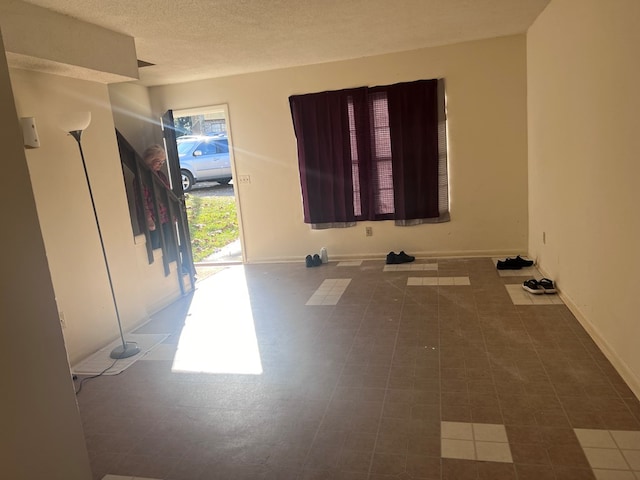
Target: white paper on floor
(101, 360)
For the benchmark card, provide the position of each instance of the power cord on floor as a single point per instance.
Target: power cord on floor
(86, 379)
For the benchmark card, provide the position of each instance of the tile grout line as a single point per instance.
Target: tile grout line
(493, 379)
(335, 387)
(386, 389)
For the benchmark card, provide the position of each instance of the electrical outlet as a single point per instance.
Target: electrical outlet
(368, 231)
(244, 179)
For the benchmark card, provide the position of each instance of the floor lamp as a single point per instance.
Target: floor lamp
(74, 124)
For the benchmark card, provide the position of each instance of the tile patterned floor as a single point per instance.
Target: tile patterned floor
(434, 281)
(411, 267)
(475, 441)
(120, 477)
(368, 388)
(613, 454)
(329, 292)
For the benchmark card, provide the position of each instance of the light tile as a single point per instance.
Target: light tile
(595, 438)
(456, 430)
(493, 452)
(629, 440)
(543, 299)
(633, 458)
(463, 449)
(489, 432)
(409, 267)
(521, 297)
(331, 300)
(435, 281)
(601, 474)
(352, 263)
(329, 292)
(120, 477)
(607, 458)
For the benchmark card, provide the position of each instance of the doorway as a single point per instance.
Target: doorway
(205, 151)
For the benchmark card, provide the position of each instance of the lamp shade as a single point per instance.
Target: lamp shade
(74, 121)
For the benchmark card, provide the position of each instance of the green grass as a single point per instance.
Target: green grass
(213, 223)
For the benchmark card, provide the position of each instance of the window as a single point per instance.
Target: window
(373, 154)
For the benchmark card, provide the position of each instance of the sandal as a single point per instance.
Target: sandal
(533, 286)
(547, 285)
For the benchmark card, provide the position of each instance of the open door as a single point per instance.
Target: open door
(185, 259)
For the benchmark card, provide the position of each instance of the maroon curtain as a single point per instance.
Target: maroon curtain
(369, 153)
(321, 124)
(413, 125)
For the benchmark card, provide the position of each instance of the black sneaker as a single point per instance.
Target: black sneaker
(513, 263)
(317, 261)
(404, 258)
(392, 258)
(308, 261)
(508, 264)
(523, 262)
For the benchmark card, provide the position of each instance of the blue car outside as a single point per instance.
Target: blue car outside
(204, 159)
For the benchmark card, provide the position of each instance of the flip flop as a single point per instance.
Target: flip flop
(533, 286)
(547, 285)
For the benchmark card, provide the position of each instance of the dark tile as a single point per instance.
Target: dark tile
(496, 471)
(388, 464)
(569, 473)
(456, 413)
(567, 456)
(535, 472)
(527, 434)
(379, 371)
(486, 414)
(454, 469)
(529, 454)
(422, 467)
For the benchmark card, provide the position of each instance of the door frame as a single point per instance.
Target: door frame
(224, 108)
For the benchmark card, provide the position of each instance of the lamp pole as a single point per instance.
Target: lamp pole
(127, 349)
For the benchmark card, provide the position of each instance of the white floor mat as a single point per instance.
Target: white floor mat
(101, 361)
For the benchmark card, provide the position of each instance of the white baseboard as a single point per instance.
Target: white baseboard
(620, 365)
(382, 256)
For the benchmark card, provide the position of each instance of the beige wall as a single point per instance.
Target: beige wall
(487, 131)
(66, 217)
(132, 115)
(583, 104)
(41, 434)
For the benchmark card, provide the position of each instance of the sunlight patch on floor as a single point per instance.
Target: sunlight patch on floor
(219, 334)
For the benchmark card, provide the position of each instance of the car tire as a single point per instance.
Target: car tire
(223, 181)
(187, 180)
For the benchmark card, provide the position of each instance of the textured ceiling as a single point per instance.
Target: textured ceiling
(196, 39)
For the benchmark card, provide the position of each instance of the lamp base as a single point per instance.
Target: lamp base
(127, 350)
